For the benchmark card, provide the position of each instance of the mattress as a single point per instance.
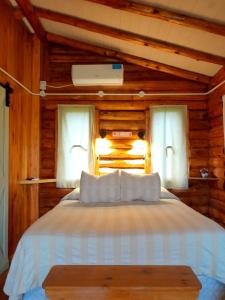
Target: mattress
(164, 233)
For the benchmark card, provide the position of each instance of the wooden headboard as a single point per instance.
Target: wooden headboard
(122, 147)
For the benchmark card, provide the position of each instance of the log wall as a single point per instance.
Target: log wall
(216, 155)
(129, 113)
(20, 56)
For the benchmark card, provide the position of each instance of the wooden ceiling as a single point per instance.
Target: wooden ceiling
(184, 38)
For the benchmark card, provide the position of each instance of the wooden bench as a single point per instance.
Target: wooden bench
(121, 283)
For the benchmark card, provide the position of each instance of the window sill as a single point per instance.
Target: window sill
(201, 178)
(37, 181)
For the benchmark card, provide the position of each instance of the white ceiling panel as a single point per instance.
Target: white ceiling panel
(212, 10)
(126, 47)
(154, 28)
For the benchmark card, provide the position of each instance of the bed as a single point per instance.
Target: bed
(166, 232)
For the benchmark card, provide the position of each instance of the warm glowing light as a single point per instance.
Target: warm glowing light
(139, 148)
(134, 171)
(106, 170)
(134, 162)
(130, 171)
(103, 147)
(106, 162)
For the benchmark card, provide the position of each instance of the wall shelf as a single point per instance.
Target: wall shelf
(201, 178)
(37, 181)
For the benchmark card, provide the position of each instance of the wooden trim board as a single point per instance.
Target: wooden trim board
(37, 181)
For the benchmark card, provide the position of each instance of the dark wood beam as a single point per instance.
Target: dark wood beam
(130, 37)
(16, 10)
(18, 13)
(29, 12)
(134, 85)
(129, 58)
(218, 77)
(165, 15)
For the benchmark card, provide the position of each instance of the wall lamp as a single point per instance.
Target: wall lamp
(102, 133)
(141, 134)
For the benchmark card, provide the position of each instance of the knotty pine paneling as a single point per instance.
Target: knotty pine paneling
(20, 56)
(217, 156)
(197, 196)
(121, 113)
(57, 72)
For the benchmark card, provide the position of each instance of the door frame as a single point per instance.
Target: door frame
(4, 265)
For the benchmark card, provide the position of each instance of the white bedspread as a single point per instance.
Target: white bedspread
(168, 232)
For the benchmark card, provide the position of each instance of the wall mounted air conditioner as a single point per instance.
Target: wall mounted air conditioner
(107, 74)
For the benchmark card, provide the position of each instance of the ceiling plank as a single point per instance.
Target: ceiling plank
(129, 58)
(165, 15)
(130, 37)
(28, 11)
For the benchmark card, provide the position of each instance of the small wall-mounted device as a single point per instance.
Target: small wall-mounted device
(90, 75)
(124, 134)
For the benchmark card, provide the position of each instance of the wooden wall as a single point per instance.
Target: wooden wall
(121, 153)
(58, 61)
(217, 155)
(20, 56)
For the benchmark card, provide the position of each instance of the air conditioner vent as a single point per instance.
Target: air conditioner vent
(104, 74)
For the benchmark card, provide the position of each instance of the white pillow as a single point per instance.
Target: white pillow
(136, 187)
(74, 195)
(104, 188)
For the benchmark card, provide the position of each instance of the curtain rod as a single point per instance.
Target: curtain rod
(101, 94)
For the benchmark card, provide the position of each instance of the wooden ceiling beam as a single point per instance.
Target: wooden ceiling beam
(130, 37)
(138, 85)
(218, 77)
(15, 9)
(128, 58)
(164, 14)
(18, 13)
(29, 12)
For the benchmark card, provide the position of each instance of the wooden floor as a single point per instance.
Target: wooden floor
(2, 281)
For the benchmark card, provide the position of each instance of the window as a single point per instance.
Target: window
(75, 147)
(168, 145)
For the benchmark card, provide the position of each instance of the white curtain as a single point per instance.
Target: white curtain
(75, 144)
(168, 145)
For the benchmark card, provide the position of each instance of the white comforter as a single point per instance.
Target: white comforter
(167, 232)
